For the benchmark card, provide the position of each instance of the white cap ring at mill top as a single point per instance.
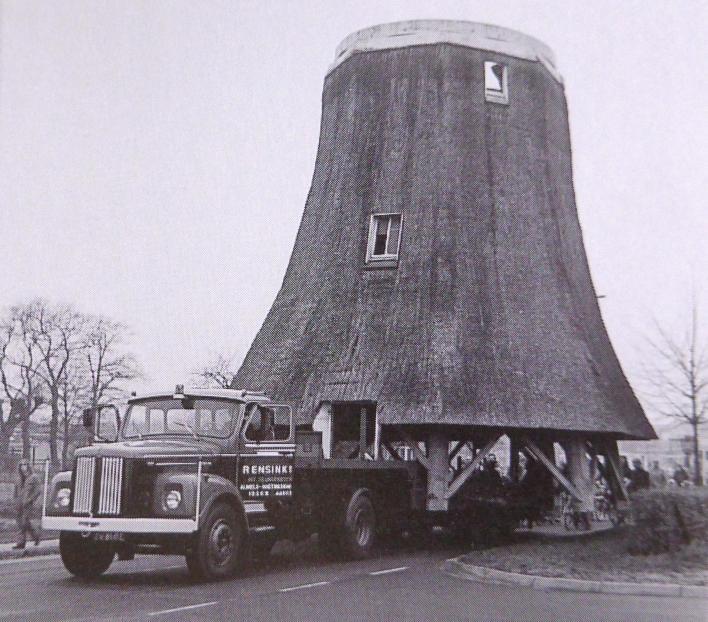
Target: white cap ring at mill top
(431, 31)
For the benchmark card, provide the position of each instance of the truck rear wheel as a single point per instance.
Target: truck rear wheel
(84, 557)
(218, 546)
(359, 527)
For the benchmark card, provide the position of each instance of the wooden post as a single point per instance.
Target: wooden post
(514, 447)
(579, 472)
(439, 471)
(362, 433)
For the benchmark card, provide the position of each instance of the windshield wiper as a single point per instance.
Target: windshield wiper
(188, 427)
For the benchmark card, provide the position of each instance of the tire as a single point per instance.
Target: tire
(83, 557)
(359, 528)
(220, 545)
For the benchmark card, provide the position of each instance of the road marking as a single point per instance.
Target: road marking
(30, 558)
(389, 571)
(302, 587)
(185, 608)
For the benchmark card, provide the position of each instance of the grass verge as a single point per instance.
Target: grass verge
(599, 557)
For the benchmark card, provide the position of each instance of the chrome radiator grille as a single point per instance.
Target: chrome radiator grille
(109, 489)
(111, 486)
(83, 484)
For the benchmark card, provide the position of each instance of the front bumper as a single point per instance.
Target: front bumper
(87, 524)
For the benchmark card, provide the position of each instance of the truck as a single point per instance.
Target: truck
(204, 473)
(207, 473)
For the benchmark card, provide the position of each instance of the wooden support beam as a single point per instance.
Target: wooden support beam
(456, 450)
(413, 444)
(377, 436)
(362, 433)
(437, 447)
(536, 452)
(514, 459)
(466, 473)
(389, 448)
(612, 454)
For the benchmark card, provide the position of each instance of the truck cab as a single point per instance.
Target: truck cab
(188, 472)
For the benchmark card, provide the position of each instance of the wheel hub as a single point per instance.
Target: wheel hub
(221, 543)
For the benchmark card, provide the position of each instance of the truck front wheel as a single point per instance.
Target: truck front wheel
(218, 546)
(359, 527)
(83, 557)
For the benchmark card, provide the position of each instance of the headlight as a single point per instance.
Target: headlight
(62, 498)
(171, 499)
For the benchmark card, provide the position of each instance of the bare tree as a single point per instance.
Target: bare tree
(73, 396)
(678, 376)
(20, 382)
(56, 333)
(75, 360)
(108, 365)
(218, 372)
(97, 373)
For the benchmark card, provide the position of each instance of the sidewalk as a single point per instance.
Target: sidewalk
(46, 547)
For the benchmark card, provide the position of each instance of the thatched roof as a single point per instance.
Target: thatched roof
(489, 317)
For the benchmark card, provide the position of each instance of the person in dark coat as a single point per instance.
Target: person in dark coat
(640, 477)
(29, 490)
(680, 475)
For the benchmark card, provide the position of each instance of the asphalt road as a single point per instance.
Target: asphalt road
(403, 584)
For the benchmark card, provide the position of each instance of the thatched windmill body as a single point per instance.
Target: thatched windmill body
(438, 294)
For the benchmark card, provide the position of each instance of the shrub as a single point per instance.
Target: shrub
(666, 520)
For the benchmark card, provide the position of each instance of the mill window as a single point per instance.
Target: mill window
(496, 84)
(384, 237)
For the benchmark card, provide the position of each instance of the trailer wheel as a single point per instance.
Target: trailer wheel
(359, 527)
(218, 546)
(83, 557)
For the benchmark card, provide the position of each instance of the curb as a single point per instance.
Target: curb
(491, 575)
(46, 547)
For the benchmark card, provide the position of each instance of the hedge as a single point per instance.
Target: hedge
(665, 520)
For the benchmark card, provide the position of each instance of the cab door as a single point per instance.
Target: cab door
(267, 456)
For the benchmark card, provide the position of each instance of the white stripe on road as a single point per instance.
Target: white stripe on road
(302, 587)
(185, 608)
(389, 571)
(29, 558)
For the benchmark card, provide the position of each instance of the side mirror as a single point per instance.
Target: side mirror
(107, 424)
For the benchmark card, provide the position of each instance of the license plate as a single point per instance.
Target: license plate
(109, 537)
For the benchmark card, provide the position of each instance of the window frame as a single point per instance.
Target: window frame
(493, 95)
(249, 418)
(370, 257)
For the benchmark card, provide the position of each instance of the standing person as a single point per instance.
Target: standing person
(657, 477)
(640, 477)
(28, 492)
(680, 475)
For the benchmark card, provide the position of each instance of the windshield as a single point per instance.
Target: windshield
(186, 417)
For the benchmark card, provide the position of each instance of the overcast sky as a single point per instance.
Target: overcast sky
(155, 156)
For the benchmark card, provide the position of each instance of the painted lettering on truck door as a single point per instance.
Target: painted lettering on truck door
(266, 465)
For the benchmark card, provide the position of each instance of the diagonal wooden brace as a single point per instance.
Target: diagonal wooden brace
(612, 455)
(543, 459)
(471, 467)
(391, 450)
(413, 444)
(456, 450)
